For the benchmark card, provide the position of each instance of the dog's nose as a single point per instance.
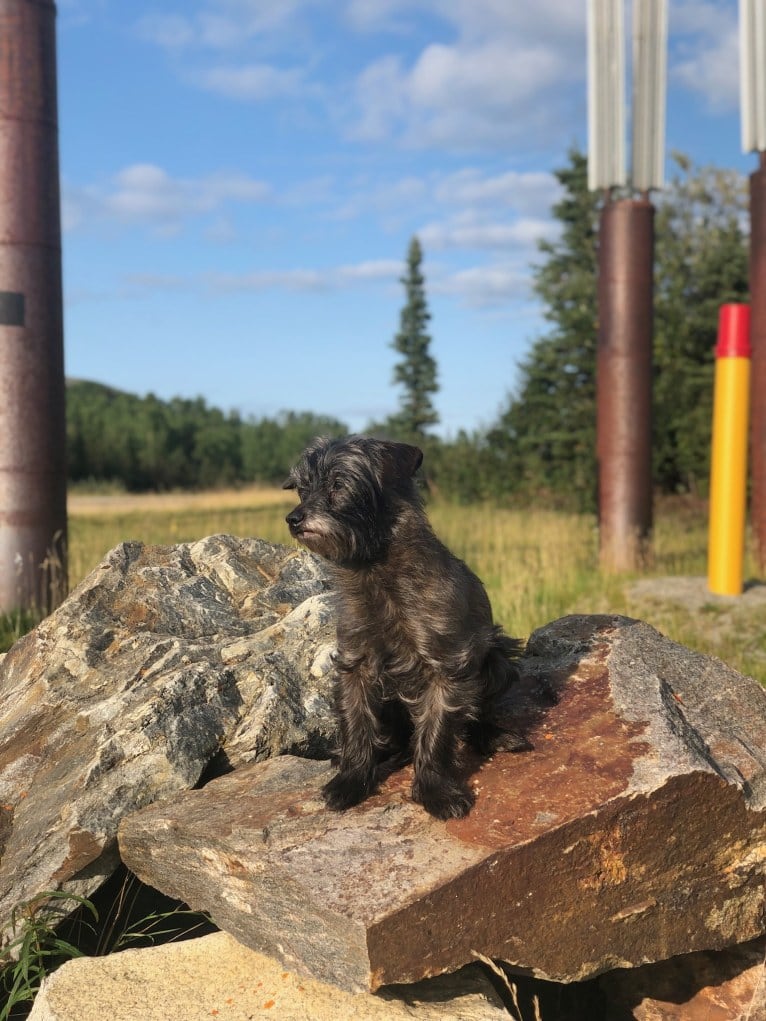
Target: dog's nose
(295, 517)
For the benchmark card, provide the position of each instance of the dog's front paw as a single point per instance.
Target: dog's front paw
(345, 790)
(443, 798)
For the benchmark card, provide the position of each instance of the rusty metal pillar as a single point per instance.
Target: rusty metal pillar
(758, 363)
(624, 383)
(32, 417)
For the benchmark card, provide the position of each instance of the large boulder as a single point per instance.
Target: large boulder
(163, 660)
(215, 976)
(634, 830)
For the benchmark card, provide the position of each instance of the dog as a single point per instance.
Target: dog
(421, 669)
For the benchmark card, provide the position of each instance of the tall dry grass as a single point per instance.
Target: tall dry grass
(537, 565)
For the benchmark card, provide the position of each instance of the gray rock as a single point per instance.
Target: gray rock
(163, 659)
(216, 977)
(632, 832)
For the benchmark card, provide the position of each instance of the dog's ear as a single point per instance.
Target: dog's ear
(289, 483)
(403, 459)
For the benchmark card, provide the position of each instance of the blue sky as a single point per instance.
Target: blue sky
(241, 179)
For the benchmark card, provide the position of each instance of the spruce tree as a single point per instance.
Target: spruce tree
(416, 372)
(545, 439)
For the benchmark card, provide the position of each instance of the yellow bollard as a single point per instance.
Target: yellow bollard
(728, 466)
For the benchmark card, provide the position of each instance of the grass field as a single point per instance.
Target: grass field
(536, 565)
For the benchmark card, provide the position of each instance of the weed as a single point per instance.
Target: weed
(34, 947)
(56, 926)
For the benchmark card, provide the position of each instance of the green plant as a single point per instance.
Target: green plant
(34, 947)
(55, 926)
(135, 915)
(15, 624)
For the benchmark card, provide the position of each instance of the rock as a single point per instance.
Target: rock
(214, 976)
(161, 660)
(727, 985)
(634, 830)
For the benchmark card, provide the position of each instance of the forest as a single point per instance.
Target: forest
(542, 443)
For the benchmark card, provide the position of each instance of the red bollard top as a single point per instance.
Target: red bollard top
(733, 332)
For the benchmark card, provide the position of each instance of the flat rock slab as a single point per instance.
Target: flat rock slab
(128, 691)
(216, 977)
(635, 830)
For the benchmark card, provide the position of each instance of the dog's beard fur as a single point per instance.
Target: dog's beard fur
(421, 668)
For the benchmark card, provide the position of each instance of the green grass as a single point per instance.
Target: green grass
(537, 565)
(15, 624)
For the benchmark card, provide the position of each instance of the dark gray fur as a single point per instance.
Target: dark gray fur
(421, 667)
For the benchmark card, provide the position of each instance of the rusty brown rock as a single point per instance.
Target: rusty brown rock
(726, 985)
(162, 656)
(634, 830)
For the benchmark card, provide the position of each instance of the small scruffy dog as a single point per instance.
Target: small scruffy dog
(421, 668)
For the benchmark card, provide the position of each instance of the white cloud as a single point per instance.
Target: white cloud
(251, 81)
(146, 193)
(705, 54)
(477, 73)
(531, 191)
(71, 210)
(377, 15)
(332, 278)
(387, 198)
(500, 284)
(508, 75)
(219, 24)
(464, 231)
(170, 31)
(484, 286)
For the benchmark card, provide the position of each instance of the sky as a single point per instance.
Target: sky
(241, 180)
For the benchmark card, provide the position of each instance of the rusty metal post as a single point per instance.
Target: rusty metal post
(624, 383)
(32, 418)
(758, 363)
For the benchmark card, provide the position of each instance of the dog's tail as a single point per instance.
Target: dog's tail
(497, 727)
(500, 667)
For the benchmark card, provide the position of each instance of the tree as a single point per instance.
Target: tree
(147, 443)
(416, 372)
(545, 438)
(702, 263)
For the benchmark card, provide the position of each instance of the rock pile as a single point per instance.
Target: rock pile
(631, 832)
(161, 661)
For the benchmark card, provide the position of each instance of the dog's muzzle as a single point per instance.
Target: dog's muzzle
(295, 520)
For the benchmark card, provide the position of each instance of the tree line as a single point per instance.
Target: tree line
(144, 443)
(542, 442)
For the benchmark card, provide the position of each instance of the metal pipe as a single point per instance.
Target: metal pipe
(32, 416)
(728, 460)
(624, 383)
(758, 361)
